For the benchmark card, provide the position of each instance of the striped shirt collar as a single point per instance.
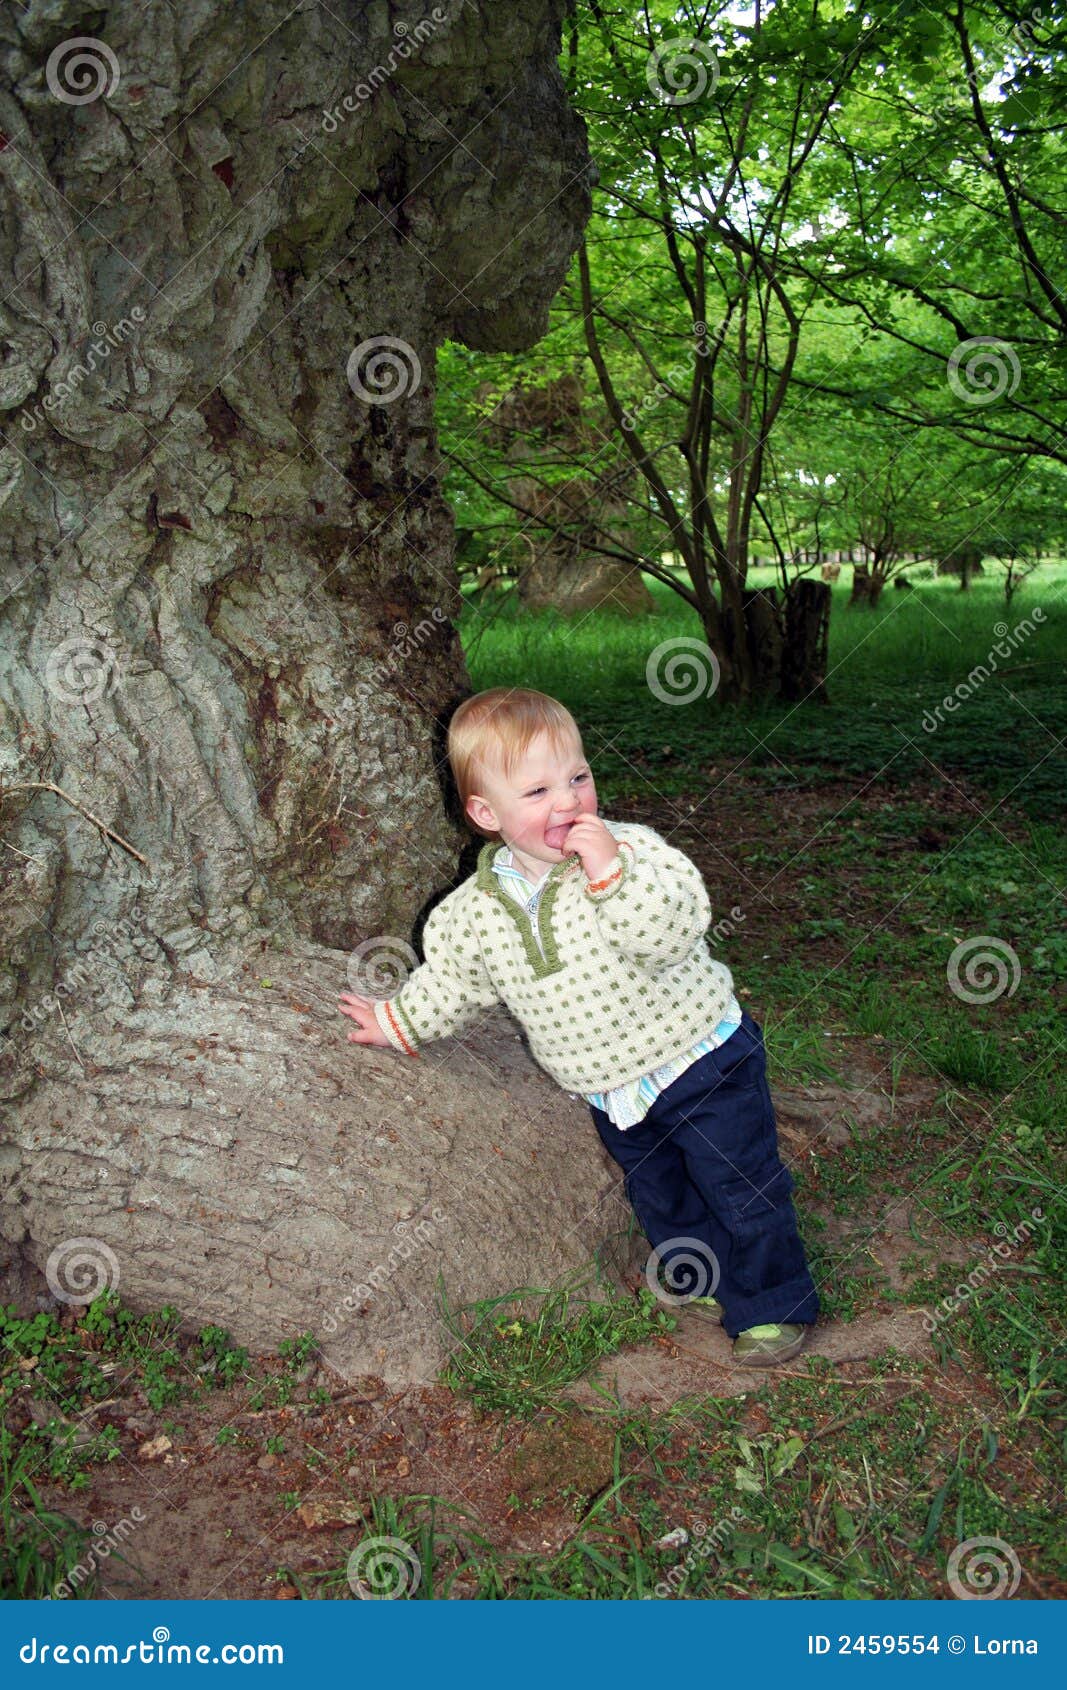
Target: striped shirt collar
(503, 864)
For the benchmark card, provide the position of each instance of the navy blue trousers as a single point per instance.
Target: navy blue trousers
(710, 1191)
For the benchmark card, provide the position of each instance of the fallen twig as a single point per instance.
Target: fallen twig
(50, 786)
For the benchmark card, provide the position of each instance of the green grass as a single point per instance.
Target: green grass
(515, 1353)
(887, 669)
(67, 1370)
(38, 1545)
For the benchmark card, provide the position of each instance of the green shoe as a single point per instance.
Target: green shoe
(706, 1307)
(766, 1346)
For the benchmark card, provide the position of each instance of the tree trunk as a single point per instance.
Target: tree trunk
(228, 255)
(765, 641)
(781, 651)
(805, 651)
(867, 584)
(965, 561)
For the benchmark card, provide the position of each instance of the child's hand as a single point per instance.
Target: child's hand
(362, 1012)
(593, 843)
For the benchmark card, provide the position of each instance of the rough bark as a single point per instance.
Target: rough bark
(228, 581)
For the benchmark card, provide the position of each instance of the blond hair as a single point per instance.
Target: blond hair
(492, 730)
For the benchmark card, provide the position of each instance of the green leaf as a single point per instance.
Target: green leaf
(1018, 110)
(791, 1563)
(933, 1519)
(846, 1525)
(786, 1455)
(746, 1480)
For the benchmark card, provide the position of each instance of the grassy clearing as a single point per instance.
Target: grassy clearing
(889, 670)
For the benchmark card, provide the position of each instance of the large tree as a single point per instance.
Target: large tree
(232, 240)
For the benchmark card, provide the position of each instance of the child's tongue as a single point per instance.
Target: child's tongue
(554, 836)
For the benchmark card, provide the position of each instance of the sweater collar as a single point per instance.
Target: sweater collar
(543, 959)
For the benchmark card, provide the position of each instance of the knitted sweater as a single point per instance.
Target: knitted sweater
(625, 983)
(628, 1104)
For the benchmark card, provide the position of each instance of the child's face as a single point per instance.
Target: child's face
(534, 806)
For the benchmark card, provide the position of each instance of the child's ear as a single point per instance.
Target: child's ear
(482, 813)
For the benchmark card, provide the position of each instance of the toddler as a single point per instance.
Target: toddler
(592, 934)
